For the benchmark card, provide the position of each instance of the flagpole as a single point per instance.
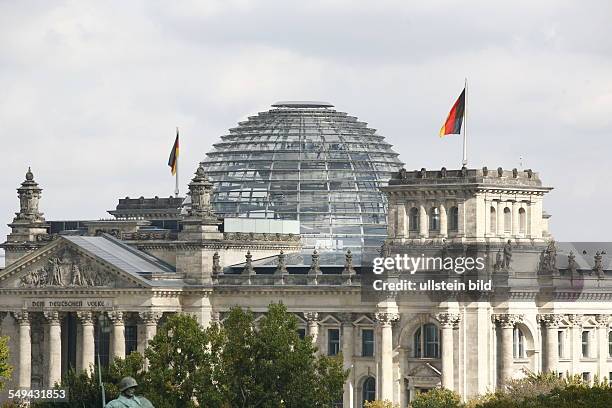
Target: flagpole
(176, 180)
(465, 162)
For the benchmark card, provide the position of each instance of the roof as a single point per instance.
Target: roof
(302, 104)
(119, 254)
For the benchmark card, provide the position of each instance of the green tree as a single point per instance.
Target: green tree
(269, 366)
(181, 365)
(437, 398)
(84, 390)
(5, 368)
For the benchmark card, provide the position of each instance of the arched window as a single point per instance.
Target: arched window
(522, 220)
(369, 390)
(507, 220)
(519, 343)
(427, 341)
(454, 219)
(434, 219)
(414, 219)
(493, 228)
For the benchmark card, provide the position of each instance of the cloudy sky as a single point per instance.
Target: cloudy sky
(92, 91)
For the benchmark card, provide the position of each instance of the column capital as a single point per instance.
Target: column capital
(311, 317)
(386, 318)
(346, 318)
(550, 320)
(575, 319)
(507, 320)
(85, 317)
(603, 320)
(150, 317)
(22, 317)
(52, 317)
(448, 320)
(116, 317)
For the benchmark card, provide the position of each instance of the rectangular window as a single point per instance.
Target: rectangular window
(333, 342)
(586, 377)
(561, 343)
(131, 339)
(585, 344)
(610, 378)
(302, 333)
(367, 342)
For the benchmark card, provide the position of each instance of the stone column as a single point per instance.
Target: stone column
(150, 320)
(391, 221)
(487, 218)
(506, 356)
(385, 320)
(24, 378)
(54, 358)
(576, 341)
(515, 218)
(603, 326)
(551, 354)
(87, 349)
(448, 322)
(400, 231)
(461, 219)
(347, 358)
(118, 334)
(500, 218)
(312, 319)
(423, 221)
(443, 220)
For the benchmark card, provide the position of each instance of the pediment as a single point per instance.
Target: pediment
(424, 370)
(63, 265)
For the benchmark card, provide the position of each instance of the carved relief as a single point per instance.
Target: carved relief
(67, 270)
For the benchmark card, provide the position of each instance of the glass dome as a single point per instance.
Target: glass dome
(305, 161)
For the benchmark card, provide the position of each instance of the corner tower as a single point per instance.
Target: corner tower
(28, 229)
(467, 205)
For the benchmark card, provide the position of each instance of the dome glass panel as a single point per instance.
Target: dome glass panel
(305, 161)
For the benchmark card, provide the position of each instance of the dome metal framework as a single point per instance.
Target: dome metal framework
(305, 161)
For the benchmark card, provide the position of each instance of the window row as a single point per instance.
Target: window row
(433, 215)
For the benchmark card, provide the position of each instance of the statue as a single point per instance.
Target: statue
(572, 266)
(443, 172)
(499, 262)
(598, 267)
(403, 174)
(385, 250)
(507, 254)
(550, 258)
(128, 398)
(56, 273)
(77, 276)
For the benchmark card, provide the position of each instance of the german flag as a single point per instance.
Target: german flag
(452, 125)
(173, 160)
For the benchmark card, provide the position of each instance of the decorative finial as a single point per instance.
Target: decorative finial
(29, 174)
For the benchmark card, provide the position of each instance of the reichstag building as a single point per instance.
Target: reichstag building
(290, 206)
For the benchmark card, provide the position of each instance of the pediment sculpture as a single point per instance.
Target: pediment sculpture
(66, 271)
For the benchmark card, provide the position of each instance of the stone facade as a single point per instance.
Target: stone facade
(120, 281)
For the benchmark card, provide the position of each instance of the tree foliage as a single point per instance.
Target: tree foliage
(380, 404)
(437, 398)
(5, 368)
(239, 364)
(84, 390)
